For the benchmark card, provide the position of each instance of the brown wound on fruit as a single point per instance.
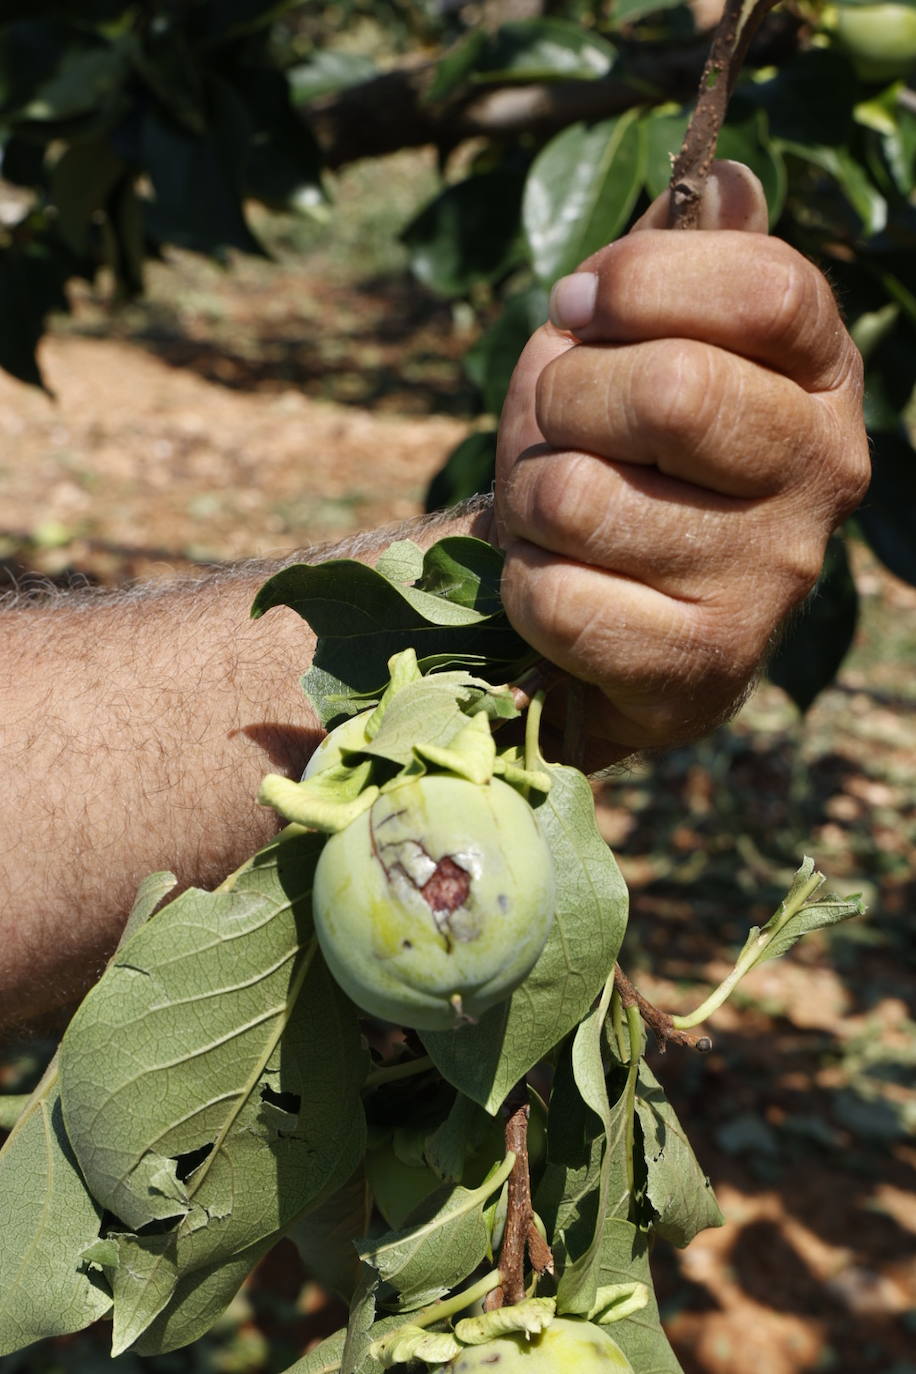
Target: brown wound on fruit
(448, 887)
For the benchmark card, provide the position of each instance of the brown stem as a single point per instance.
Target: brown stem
(519, 1221)
(539, 677)
(691, 166)
(659, 1022)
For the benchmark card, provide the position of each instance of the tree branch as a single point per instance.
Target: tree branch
(392, 111)
(517, 1235)
(734, 32)
(659, 1022)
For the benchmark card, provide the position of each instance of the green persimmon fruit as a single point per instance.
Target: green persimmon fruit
(435, 903)
(569, 1345)
(880, 39)
(350, 734)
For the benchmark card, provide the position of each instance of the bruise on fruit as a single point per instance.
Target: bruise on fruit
(448, 887)
(444, 884)
(445, 893)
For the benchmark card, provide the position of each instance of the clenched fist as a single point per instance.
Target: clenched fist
(675, 449)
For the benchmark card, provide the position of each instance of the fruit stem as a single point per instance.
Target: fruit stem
(439, 1311)
(532, 732)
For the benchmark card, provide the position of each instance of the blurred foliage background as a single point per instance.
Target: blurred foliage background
(413, 176)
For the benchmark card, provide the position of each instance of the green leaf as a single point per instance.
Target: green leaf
(49, 1220)
(464, 571)
(491, 361)
(850, 176)
(795, 918)
(461, 1133)
(283, 165)
(328, 71)
(542, 50)
(580, 1278)
(362, 619)
(469, 233)
(457, 66)
(625, 1260)
(485, 1060)
(173, 1005)
(233, 19)
(324, 1236)
(198, 1299)
(628, 11)
(356, 1357)
(211, 220)
(215, 1048)
(448, 1239)
(31, 286)
(401, 562)
(46, 1287)
(679, 1191)
(580, 191)
(87, 78)
(887, 517)
(289, 1159)
(81, 181)
(807, 99)
(168, 66)
(817, 640)
(327, 1358)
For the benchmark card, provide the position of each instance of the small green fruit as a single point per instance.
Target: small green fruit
(880, 39)
(435, 903)
(569, 1345)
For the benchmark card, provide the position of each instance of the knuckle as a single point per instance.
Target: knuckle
(556, 506)
(798, 311)
(534, 596)
(674, 399)
(843, 473)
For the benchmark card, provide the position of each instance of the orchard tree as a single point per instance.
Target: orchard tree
(423, 1041)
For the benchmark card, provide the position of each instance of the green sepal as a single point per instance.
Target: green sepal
(471, 754)
(530, 1318)
(615, 1301)
(329, 801)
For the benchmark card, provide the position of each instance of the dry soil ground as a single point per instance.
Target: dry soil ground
(281, 404)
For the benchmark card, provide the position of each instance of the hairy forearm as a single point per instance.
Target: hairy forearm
(134, 730)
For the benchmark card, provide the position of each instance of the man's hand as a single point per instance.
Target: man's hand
(675, 449)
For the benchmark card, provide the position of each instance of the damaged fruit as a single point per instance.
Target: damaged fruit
(435, 903)
(569, 1345)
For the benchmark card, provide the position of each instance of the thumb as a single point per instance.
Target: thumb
(733, 198)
